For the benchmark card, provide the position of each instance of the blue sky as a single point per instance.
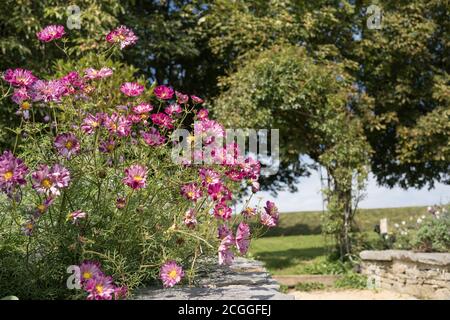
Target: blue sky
(308, 196)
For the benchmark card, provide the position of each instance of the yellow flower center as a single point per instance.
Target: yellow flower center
(41, 208)
(137, 178)
(110, 147)
(69, 145)
(87, 275)
(25, 106)
(209, 179)
(173, 274)
(190, 194)
(46, 183)
(99, 288)
(8, 175)
(29, 226)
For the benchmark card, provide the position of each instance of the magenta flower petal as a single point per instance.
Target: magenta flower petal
(163, 92)
(222, 211)
(171, 273)
(243, 237)
(123, 36)
(50, 33)
(12, 172)
(135, 176)
(19, 77)
(132, 89)
(191, 191)
(67, 144)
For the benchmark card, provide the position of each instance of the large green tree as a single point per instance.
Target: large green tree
(399, 74)
(405, 67)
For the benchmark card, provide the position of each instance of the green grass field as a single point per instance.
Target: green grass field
(297, 247)
(308, 222)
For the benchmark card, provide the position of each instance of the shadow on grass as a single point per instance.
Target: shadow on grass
(289, 258)
(294, 230)
(297, 229)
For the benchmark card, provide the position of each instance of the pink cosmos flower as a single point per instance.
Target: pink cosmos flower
(270, 216)
(48, 91)
(173, 108)
(75, 216)
(89, 270)
(136, 118)
(91, 73)
(110, 122)
(235, 175)
(219, 192)
(227, 155)
(162, 120)
(223, 231)
(222, 211)
(209, 176)
(107, 146)
(28, 227)
(181, 98)
(12, 171)
(132, 89)
(268, 220)
(20, 95)
(135, 176)
(202, 114)
(142, 108)
(50, 33)
(100, 288)
(120, 293)
(163, 92)
(209, 130)
(226, 256)
(153, 137)
(249, 212)
(50, 180)
(191, 191)
(91, 123)
(124, 126)
(243, 237)
(189, 218)
(119, 125)
(251, 168)
(271, 209)
(196, 99)
(19, 77)
(67, 144)
(73, 82)
(171, 273)
(122, 35)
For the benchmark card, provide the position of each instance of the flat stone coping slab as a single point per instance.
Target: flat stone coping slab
(442, 259)
(245, 279)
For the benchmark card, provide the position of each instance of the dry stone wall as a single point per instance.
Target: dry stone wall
(424, 275)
